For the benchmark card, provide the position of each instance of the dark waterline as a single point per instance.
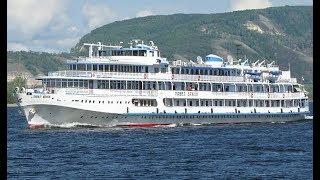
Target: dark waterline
(263, 150)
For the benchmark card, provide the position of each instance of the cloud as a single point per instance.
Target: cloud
(97, 14)
(144, 13)
(16, 47)
(27, 17)
(41, 25)
(236, 5)
(59, 44)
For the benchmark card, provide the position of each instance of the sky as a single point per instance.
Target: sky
(57, 25)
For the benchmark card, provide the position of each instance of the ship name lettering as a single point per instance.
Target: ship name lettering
(180, 93)
(192, 94)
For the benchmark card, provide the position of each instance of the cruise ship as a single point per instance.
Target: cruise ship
(133, 85)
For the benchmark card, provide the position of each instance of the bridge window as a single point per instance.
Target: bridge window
(100, 67)
(81, 67)
(142, 53)
(135, 53)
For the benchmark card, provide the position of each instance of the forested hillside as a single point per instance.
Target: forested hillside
(35, 62)
(282, 34)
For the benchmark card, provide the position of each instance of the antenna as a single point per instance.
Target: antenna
(230, 59)
(289, 66)
(238, 49)
(90, 51)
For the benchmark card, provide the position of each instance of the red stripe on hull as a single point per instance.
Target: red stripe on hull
(36, 126)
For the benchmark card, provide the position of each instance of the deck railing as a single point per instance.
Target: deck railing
(148, 76)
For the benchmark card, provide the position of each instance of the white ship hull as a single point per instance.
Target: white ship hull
(114, 108)
(58, 115)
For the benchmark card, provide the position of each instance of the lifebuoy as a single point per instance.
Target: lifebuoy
(251, 95)
(198, 78)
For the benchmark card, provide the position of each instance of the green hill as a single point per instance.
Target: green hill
(282, 34)
(36, 62)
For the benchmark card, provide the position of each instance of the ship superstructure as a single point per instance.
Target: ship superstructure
(133, 85)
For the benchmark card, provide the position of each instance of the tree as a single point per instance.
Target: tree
(18, 81)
